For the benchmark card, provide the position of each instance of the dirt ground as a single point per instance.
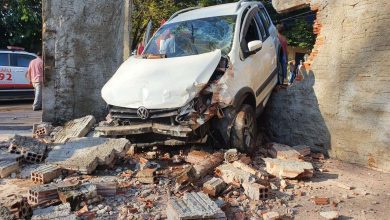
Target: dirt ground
(369, 197)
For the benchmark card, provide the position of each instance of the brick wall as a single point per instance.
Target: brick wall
(343, 104)
(84, 42)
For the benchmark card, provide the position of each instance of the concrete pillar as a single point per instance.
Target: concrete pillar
(84, 42)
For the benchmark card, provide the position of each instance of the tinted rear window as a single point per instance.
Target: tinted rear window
(4, 59)
(21, 60)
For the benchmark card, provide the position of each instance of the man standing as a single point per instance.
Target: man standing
(283, 61)
(35, 76)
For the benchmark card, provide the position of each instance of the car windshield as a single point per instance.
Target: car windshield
(193, 37)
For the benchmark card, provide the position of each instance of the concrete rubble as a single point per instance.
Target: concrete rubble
(30, 148)
(62, 212)
(85, 154)
(73, 129)
(7, 167)
(193, 206)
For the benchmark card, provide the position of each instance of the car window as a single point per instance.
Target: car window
(252, 33)
(264, 18)
(193, 37)
(262, 29)
(4, 59)
(21, 60)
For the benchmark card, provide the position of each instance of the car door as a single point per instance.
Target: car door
(268, 79)
(20, 63)
(268, 43)
(6, 81)
(253, 66)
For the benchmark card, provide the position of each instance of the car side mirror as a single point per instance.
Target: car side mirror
(255, 46)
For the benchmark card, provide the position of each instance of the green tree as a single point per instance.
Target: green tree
(21, 24)
(300, 34)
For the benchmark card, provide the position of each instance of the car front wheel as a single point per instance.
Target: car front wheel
(243, 133)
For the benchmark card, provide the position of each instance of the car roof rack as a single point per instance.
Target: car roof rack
(239, 4)
(182, 11)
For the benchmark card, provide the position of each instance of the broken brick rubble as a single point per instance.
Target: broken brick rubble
(214, 186)
(75, 194)
(17, 206)
(256, 191)
(303, 150)
(195, 156)
(234, 175)
(146, 175)
(45, 173)
(32, 150)
(231, 155)
(43, 193)
(208, 164)
(288, 168)
(320, 200)
(281, 151)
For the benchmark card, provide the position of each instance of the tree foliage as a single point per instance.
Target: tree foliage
(300, 33)
(21, 24)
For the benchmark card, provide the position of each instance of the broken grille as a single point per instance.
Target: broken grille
(131, 114)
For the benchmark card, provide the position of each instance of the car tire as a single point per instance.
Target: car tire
(244, 129)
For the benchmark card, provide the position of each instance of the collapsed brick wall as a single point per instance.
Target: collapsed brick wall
(343, 104)
(84, 42)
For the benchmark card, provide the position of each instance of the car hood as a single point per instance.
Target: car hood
(160, 83)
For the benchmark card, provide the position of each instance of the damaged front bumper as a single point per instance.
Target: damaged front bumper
(169, 130)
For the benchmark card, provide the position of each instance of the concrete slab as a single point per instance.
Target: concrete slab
(75, 129)
(85, 154)
(193, 206)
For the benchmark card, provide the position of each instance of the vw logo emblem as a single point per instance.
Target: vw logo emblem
(143, 113)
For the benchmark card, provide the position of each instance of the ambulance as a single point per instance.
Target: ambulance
(13, 67)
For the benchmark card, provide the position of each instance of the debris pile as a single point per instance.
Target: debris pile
(107, 178)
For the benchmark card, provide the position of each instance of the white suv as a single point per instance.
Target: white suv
(13, 81)
(204, 75)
